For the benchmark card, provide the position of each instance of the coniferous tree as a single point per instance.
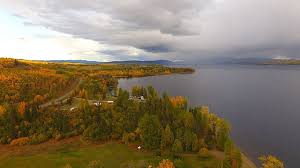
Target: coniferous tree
(167, 137)
(150, 131)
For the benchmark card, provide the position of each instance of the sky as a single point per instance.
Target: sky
(114, 30)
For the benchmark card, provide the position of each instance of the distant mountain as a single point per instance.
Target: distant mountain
(160, 62)
(265, 61)
(243, 61)
(74, 61)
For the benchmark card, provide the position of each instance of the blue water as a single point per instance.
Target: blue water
(262, 103)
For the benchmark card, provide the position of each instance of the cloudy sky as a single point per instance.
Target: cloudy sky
(189, 30)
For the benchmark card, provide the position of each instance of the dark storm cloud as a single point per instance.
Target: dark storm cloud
(156, 48)
(174, 29)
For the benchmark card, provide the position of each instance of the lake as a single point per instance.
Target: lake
(262, 103)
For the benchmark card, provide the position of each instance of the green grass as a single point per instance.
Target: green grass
(194, 161)
(112, 155)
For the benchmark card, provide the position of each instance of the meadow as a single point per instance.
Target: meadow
(79, 154)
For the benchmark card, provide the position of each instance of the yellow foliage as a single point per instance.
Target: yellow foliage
(2, 110)
(204, 153)
(271, 162)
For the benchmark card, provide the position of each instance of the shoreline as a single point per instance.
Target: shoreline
(247, 162)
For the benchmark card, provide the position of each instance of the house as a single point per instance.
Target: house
(108, 101)
(97, 104)
(73, 108)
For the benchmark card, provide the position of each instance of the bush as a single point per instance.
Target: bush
(95, 164)
(166, 164)
(94, 133)
(20, 141)
(71, 134)
(68, 166)
(128, 137)
(157, 152)
(5, 140)
(177, 146)
(204, 153)
(58, 137)
(37, 139)
(178, 163)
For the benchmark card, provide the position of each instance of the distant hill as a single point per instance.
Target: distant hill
(282, 62)
(160, 62)
(242, 61)
(258, 61)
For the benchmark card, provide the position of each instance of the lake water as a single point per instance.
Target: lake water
(262, 103)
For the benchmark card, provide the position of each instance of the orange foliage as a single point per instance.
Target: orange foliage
(2, 110)
(178, 101)
(38, 99)
(82, 93)
(20, 141)
(166, 164)
(21, 108)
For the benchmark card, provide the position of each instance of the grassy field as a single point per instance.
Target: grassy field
(78, 155)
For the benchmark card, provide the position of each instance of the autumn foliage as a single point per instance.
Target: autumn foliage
(179, 101)
(271, 162)
(20, 141)
(21, 108)
(166, 164)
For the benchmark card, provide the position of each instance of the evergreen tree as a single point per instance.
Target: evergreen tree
(167, 137)
(150, 131)
(177, 146)
(223, 131)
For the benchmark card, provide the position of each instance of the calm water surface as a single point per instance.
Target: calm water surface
(261, 102)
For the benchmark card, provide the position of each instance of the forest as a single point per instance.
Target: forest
(98, 111)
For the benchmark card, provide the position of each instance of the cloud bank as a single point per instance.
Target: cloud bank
(172, 29)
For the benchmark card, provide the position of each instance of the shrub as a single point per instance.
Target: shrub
(128, 137)
(177, 146)
(68, 166)
(95, 164)
(58, 137)
(5, 140)
(204, 153)
(271, 162)
(166, 164)
(125, 138)
(37, 139)
(20, 141)
(71, 134)
(157, 152)
(178, 163)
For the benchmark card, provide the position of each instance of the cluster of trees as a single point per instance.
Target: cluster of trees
(22, 82)
(131, 70)
(158, 123)
(97, 87)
